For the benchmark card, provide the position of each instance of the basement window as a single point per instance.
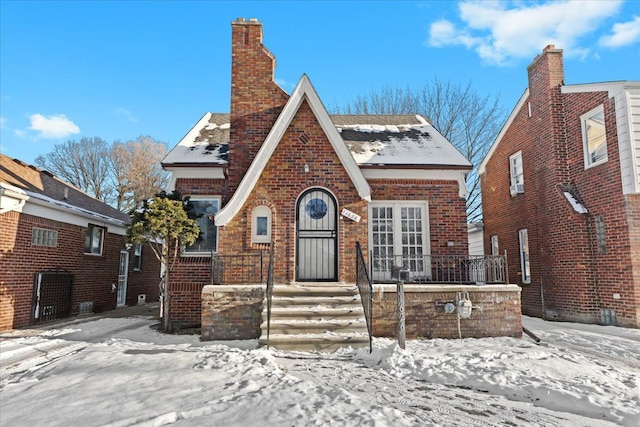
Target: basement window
(594, 137)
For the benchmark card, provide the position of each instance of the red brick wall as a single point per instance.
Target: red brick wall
(447, 211)
(566, 270)
(93, 275)
(282, 182)
(495, 312)
(256, 100)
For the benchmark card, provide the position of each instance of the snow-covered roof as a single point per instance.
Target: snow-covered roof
(374, 140)
(27, 182)
(408, 143)
(205, 144)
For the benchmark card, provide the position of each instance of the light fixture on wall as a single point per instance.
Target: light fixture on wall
(306, 168)
(128, 246)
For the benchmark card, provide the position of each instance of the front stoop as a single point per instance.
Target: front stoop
(315, 317)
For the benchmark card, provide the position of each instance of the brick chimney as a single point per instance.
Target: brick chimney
(256, 100)
(546, 70)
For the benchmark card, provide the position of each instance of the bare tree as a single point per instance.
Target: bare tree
(83, 164)
(120, 174)
(136, 170)
(468, 120)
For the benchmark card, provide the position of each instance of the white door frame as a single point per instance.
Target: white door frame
(123, 273)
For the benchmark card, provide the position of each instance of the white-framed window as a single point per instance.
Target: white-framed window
(525, 267)
(137, 256)
(495, 249)
(93, 240)
(594, 137)
(261, 224)
(206, 207)
(399, 236)
(44, 237)
(517, 174)
(601, 239)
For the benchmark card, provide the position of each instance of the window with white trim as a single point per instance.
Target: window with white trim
(516, 173)
(44, 237)
(137, 256)
(93, 240)
(495, 250)
(601, 239)
(399, 236)
(261, 225)
(594, 137)
(525, 267)
(206, 207)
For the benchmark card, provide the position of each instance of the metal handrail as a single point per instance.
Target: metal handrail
(444, 269)
(365, 288)
(269, 290)
(240, 268)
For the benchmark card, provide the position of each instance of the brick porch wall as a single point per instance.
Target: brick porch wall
(235, 312)
(495, 313)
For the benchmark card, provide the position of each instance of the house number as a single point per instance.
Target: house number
(352, 216)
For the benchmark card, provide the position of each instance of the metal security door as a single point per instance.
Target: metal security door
(122, 278)
(316, 237)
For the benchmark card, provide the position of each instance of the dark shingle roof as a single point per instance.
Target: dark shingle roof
(34, 180)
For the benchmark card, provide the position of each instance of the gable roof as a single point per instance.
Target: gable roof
(304, 91)
(505, 128)
(374, 140)
(30, 183)
(206, 143)
(408, 140)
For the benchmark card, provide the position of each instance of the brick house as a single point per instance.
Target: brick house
(279, 169)
(63, 252)
(561, 195)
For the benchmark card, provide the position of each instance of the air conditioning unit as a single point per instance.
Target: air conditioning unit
(516, 189)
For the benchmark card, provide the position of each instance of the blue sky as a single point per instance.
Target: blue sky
(120, 69)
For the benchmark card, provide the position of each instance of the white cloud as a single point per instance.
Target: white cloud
(622, 34)
(126, 114)
(53, 127)
(500, 32)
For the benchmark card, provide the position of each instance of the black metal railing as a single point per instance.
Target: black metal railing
(52, 295)
(238, 269)
(446, 269)
(365, 288)
(269, 290)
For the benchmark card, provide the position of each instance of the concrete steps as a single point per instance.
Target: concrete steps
(315, 317)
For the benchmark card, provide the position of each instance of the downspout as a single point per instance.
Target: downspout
(594, 269)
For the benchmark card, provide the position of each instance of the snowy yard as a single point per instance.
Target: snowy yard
(121, 372)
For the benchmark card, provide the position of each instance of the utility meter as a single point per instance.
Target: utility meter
(463, 305)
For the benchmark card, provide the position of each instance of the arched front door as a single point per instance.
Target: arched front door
(316, 236)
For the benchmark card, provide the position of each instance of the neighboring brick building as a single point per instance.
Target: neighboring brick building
(561, 195)
(61, 251)
(280, 169)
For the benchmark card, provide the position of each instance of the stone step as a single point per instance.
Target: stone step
(295, 326)
(314, 301)
(284, 290)
(315, 342)
(315, 317)
(317, 313)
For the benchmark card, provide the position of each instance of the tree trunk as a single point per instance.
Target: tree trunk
(165, 298)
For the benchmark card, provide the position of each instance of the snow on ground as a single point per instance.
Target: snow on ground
(121, 372)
